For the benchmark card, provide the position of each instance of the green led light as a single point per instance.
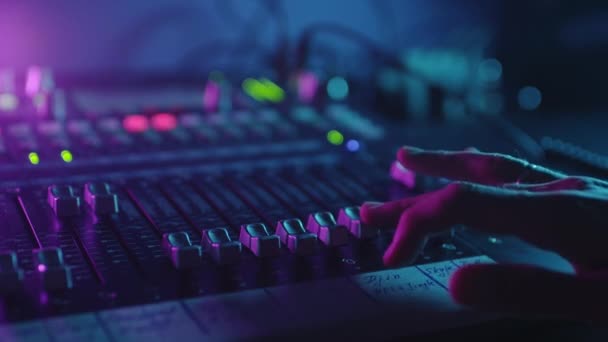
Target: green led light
(67, 156)
(337, 88)
(34, 158)
(273, 92)
(255, 89)
(334, 137)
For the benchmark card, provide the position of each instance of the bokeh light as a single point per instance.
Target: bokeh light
(335, 137)
(164, 122)
(529, 98)
(490, 70)
(273, 92)
(135, 123)
(34, 158)
(67, 156)
(353, 145)
(337, 88)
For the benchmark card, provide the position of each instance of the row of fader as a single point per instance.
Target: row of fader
(98, 196)
(261, 242)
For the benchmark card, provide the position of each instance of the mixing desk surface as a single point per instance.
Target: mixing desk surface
(203, 227)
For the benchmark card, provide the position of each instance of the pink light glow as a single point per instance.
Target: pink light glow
(163, 122)
(135, 123)
(211, 96)
(33, 80)
(308, 83)
(41, 268)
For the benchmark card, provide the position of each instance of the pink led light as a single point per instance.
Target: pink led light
(33, 80)
(41, 268)
(135, 123)
(211, 96)
(308, 83)
(163, 122)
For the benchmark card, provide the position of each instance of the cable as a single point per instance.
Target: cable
(243, 42)
(306, 38)
(142, 29)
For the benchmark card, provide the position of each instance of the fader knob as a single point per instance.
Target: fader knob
(351, 219)
(324, 226)
(63, 201)
(100, 198)
(217, 243)
(295, 237)
(11, 276)
(52, 271)
(180, 249)
(256, 238)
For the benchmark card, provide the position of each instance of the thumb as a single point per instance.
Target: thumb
(531, 291)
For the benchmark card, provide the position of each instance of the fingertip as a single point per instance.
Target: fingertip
(406, 151)
(366, 210)
(463, 285)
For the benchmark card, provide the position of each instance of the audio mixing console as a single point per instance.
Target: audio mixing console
(191, 226)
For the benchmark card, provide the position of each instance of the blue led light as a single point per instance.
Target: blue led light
(353, 145)
(529, 98)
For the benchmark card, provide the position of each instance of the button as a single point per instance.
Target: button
(11, 276)
(295, 237)
(220, 246)
(256, 237)
(100, 198)
(351, 219)
(181, 251)
(53, 273)
(324, 226)
(63, 201)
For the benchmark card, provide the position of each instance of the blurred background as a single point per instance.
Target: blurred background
(414, 59)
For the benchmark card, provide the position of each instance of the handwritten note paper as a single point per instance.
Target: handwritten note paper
(439, 271)
(405, 287)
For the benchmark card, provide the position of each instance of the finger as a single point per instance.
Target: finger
(386, 214)
(530, 291)
(491, 209)
(407, 243)
(485, 168)
(571, 223)
(568, 183)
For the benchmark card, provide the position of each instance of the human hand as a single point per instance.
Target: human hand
(505, 195)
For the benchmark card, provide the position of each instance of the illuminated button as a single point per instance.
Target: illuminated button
(220, 246)
(100, 198)
(256, 237)
(181, 251)
(11, 276)
(324, 226)
(351, 219)
(63, 201)
(295, 237)
(52, 271)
